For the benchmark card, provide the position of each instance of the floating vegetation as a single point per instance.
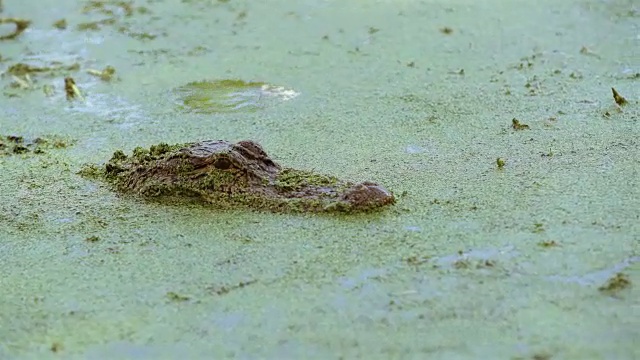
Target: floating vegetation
(53, 69)
(538, 228)
(586, 51)
(48, 90)
(15, 145)
(60, 24)
(109, 8)
(23, 82)
(117, 13)
(107, 74)
(95, 25)
(25, 76)
(175, 297)
(517, 125)
(225, 96)
(223, 290)
(21, 25)
(71, 90)
(619, 99)
(615, 284)
(548, 244)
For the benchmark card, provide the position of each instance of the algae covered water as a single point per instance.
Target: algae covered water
(515, 231)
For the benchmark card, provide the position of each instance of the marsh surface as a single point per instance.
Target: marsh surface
(473, 261)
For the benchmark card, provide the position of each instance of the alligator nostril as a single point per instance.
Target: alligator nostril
(222, 164)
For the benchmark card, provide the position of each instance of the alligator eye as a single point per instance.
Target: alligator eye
(222, 164)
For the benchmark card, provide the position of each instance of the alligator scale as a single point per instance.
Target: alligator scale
(240, 174)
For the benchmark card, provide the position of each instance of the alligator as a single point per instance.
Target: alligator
(231, 175)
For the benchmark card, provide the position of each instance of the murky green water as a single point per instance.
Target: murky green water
(473, 262)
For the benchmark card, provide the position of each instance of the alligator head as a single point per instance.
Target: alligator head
(237, 175)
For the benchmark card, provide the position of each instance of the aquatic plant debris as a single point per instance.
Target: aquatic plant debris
(21, 25)
(55, 69)
(107, 74)
(615, 284)
(71, 90)
(24, 82)
(619, 99)
(234, 175)
(16, 145)
(110, 8)
(118, 14)
(517, 125)
(226, 96)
